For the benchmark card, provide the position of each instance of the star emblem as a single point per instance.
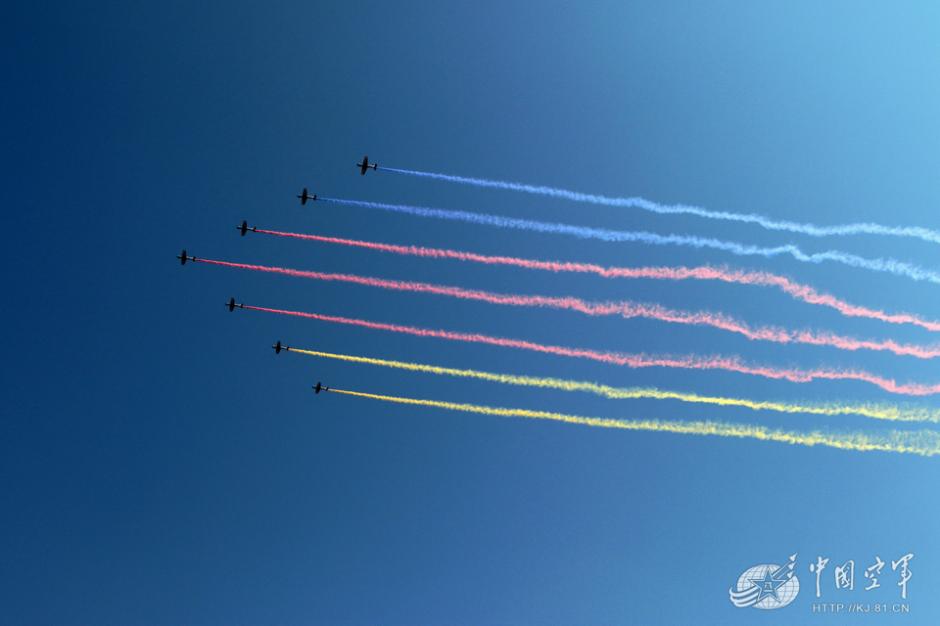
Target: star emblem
(768, 585)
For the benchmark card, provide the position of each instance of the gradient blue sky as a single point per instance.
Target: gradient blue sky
(161, 466)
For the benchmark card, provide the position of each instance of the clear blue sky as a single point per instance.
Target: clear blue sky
(161, 466)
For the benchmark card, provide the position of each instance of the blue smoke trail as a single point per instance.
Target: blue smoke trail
(890, 266)
(862, 228)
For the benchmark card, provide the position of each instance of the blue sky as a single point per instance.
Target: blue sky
(160, 465)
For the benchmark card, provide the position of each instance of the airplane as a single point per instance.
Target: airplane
(318, 388)
(279, 346)
(244, 228)
(183, 257)
(304, 196)
(231, 305)
(366, 165)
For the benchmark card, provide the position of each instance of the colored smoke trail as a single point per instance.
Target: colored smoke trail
(626, 310)
(921, 442)
(813, 230)
(728, 364)
(794, 289)
(889, 266)
(874, 411)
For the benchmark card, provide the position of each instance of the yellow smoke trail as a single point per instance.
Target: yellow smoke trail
(924, 443)
(875, 411)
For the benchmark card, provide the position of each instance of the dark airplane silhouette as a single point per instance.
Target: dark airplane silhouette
(366, 165)
(304, 196)
(279, 346)
(231, 305)
(318, 388)
(244, 228)
(183, 257)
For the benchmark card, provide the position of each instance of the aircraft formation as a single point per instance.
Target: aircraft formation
(304, 196)
(925, 441)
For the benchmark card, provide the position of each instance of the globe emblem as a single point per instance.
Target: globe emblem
(766, 586)
(786, 592)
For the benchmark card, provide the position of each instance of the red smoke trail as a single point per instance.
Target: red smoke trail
(763, 279)
(623, 309)
(731, 364)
